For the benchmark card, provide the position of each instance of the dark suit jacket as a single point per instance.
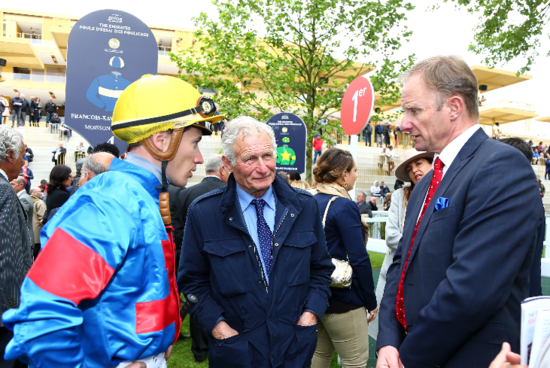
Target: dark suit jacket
(15, 247)
(187, 196)
(469, 266)
(365, 208)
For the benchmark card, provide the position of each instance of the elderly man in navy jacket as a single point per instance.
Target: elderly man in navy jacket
(254, 259)
(453, 293)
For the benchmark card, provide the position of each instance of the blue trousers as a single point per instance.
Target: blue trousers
(317, 154)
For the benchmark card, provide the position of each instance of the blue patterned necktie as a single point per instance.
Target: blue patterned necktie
(265, 236)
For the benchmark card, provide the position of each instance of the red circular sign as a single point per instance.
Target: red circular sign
(357, 105)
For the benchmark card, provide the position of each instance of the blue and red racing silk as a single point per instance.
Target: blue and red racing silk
(103, 289)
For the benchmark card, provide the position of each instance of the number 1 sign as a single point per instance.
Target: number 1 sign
(357, 105)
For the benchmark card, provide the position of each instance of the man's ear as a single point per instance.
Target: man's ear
(161, 140)
(227, 164)
(456, 107)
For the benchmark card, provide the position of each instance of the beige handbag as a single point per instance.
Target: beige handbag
(341, 276)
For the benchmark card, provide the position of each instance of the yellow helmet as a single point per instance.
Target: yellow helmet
(156, 103)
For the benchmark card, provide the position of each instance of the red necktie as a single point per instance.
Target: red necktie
(400, 303)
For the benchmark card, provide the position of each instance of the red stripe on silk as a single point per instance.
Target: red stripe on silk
(69, 269)
(156, 315)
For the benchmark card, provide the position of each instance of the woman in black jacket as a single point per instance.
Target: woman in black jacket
(344, 326)
(60, 179)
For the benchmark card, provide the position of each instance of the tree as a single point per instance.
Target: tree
(508, 29)
(292, 65)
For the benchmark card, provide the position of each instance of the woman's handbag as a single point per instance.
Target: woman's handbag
(342, 274)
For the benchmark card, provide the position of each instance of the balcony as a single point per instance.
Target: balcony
(38, 81)
(35, 39)
(509, 105)
(164, 50)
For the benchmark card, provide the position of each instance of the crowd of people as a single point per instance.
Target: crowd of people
(271, 271)
(19, 108)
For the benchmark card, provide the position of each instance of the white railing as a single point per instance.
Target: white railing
(164, 50)
(35, 39)
(509, 104)
(377, 245)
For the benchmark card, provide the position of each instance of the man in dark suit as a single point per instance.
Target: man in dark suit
(461, 270)
(364, 206)
(216, 177)
(15, 238)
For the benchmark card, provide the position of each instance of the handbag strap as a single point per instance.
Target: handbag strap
(326, 210)
(325, 217)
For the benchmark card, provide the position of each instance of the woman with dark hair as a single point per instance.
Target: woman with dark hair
(344, 326)
(60, 179)
(414, 167)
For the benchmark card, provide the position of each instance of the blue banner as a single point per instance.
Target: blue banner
(290, 133)
(107, 51)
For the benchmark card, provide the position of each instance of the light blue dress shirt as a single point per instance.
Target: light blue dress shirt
(251, 219)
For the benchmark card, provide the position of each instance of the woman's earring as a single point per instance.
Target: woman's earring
(345, 185)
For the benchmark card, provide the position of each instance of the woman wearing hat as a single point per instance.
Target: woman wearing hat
(414, 167)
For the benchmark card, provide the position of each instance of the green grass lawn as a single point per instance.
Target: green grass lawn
(182, 357)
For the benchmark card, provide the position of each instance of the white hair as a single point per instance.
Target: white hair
(10, 140)
(93, 166)
(241, 127)
(213, 164)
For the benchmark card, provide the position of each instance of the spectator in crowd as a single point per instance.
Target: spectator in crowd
(379, 130)
(541, 187)
(63, 129)
(284, 175)
(118, 244)
(384, 189)
(373, 205)
(256, 204)
(93, 166)
(390, 156)
(344, 326)
(18, 186)
(396, 130)
(76, 182)
(50, 109)
(547, 164)
(216, 177)
(15, 239)
(38, 111)
(387, 202)
(293, 176)
(24, 109)
(16, 105)
(4, 109)
(375, 190)
(60, 178)
(55, 119)
(468, 284)
(317, 147)
(43, 187)
(107, 147)
(540, 147)
(382, 158)
(32, 109)
(39, 209)
(29, 154)
(535, 157)
(364, 206)
(387, 130)
(300, 184)
(81, 148)
(27, 175)
(412, 169)
(531, 143)
(398, 184)
(59, 154)
(368, 135)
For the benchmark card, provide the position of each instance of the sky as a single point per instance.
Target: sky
(445, 31)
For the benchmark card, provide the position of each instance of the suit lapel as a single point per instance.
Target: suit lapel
(463, 157)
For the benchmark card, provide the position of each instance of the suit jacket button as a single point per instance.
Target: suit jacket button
(230, 219)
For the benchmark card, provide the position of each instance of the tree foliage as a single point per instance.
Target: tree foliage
(508, 29)
(298, 56)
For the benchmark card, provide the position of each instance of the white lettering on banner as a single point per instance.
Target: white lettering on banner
(114, 28)
(90, 117)
(97, 127)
